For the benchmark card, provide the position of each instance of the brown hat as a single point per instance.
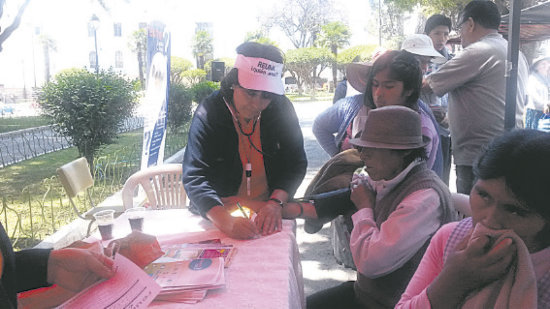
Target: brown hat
(392, 127)
(357, 74)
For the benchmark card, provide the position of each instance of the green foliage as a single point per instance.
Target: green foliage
(306, 64)
(358, 53)
(203, 89)
(334, 35)
(259, 36)
(178, 65)
(202, 46)
(138, 45)
(89, 107)
(193, 76)
(179, 106)
(8, 124)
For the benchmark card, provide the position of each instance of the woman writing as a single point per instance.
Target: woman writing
(245, 145)
(500, 257)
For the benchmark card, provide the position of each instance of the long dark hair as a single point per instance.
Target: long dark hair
(403, 66)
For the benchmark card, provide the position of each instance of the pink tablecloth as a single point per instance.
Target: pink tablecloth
(264, 273)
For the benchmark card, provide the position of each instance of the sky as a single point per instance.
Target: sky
(231, 20)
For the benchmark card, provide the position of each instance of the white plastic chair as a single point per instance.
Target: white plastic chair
(75, 177)
(162, 185)
(461, 203)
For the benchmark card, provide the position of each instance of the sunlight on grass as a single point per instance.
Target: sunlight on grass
(19, 123)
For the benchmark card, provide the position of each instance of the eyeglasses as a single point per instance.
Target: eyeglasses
(254, 93)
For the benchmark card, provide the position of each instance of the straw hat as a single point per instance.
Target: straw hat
(392, 127)
(421, 44)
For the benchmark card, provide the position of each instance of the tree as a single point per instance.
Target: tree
(194, 76)
(178, 65)
(4, 35)
(358, 53)
(259, 36)
(138, 45)
(87, 107)
(301, 20)
(302, 63)
(47, 44)
(333, 36)
(179, 106)
(202, 46)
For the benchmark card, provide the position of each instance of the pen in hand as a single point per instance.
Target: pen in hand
(242, 210)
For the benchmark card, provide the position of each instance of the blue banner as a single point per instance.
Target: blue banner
(157, 94)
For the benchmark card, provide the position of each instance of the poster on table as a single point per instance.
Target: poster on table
(157, 94)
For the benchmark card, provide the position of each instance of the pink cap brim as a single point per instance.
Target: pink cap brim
(260, 74)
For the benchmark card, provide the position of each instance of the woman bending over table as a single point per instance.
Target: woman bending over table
(500, 257)
(245, 145)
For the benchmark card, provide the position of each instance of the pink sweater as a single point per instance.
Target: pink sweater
(432, 263)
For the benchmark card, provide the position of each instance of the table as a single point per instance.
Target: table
(264, 273)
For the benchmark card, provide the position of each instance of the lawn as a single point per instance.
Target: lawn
(30, 191)
(8, 124)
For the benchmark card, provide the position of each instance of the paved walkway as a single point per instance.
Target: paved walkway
(319, 265)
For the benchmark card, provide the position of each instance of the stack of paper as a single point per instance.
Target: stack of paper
(189, 280)
(203, 250)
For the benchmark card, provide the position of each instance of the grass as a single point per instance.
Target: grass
(15, 177)
(19, 123)
(29, 191)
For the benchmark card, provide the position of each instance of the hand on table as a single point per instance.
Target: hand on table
(76, 269)
(242, 228)
(269, 218)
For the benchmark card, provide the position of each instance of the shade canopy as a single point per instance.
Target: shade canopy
(534, 23)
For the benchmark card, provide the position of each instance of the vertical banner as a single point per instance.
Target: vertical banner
(157, 94)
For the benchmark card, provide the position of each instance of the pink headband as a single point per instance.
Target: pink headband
(260, 74)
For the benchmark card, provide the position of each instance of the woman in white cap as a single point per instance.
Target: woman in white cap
(245, 145)
(400, 204)
(538, 92)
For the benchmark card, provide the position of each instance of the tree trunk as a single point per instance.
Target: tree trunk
(141, 65)
(334, 69)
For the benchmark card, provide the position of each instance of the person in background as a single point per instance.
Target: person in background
(245, 145)
(341, 90)
(399, 203)
(476, 83)
(499, 257)
(72, 269)
(438, 28)
(538, 88)
(344, 120)
(421, 46)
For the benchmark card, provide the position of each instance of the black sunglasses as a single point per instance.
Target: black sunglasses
(254, 93)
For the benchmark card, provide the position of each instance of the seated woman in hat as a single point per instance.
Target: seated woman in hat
(335, 126)
(400, 204)
(499, 257)
(245, 144)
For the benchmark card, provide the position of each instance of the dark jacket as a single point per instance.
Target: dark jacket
(23, 270)
(212, 166)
